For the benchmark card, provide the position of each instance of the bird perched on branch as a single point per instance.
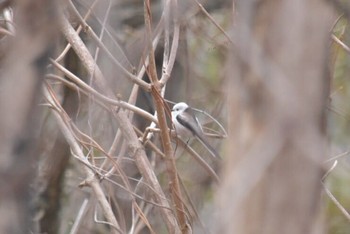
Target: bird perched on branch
(187, 126)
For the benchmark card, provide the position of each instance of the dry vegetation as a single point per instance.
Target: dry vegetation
(86, 92)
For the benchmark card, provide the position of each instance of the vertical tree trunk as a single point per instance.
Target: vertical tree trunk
(278, 96)
(22, 71)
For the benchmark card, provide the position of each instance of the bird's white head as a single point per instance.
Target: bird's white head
(179, 107)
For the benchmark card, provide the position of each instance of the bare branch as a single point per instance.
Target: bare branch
(100, 96)
(92, 180)
(165, 136)
(342, 44)
(74, 38)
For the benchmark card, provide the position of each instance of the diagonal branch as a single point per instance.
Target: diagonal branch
(134, 146)
(92, 181)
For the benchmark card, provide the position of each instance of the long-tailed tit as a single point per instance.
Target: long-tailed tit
(187, 125)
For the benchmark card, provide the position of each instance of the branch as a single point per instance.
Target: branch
(164, 132)
(134, 146)
(92, 180)
(342, 44)
(170, 63)
(101, 97)
(73, 37)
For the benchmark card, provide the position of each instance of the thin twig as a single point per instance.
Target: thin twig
(330, 195)
(193, 210)
(199, 159)
(336, 157)
(79, 217)
(337, 203)
(100, 96)
(104, 222)
(342, 44)
(68, 46)
(213, 21)
(168, 67)
(70, 33)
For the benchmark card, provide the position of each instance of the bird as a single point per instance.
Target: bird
(187, 126)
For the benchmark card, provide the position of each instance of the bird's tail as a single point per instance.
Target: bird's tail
(204, 142)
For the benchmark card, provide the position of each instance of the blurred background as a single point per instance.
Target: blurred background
(338, 127)
(274, 75)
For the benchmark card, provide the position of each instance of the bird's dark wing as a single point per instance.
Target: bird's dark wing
(189, 120)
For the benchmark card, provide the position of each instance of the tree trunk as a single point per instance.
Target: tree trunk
(24, 62)
(277, 99)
